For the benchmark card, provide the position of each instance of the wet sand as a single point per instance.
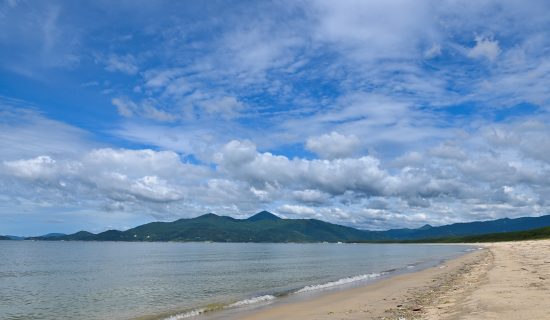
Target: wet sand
(502, 281)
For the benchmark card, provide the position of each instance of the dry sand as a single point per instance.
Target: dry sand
(516, 286)
(503, 281)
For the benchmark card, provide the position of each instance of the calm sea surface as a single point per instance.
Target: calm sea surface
(117, 280)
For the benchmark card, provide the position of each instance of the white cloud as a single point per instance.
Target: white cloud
(363, 175)
(36, 168)
(458, 182)
(334, 145)
(125, 107)
(155, 189)
(485, 48)
(149, 111)
(146, 109)
(375, 89)
(311, 196)
(122, 63)
(297, 210)
(100, 176)
(448, 150)
(374, 29)
(433, 51)
(25, 133)
(227, 107)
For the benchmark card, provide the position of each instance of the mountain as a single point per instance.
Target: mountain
(532, 234)
(4, 238)
(46, 236)
(262, 227)
(15, 237)
(265, 216)
(468, 228)
(53, 235)
(267, 227)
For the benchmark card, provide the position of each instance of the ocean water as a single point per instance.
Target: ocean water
(118, 280)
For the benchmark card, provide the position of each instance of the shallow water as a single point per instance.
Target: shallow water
(120, 280)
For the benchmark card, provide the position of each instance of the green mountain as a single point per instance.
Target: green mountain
(46, 236)
(466, 229)
(262, 227)
(267, 227)
(533, 234)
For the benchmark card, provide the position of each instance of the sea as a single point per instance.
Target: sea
(172, 281)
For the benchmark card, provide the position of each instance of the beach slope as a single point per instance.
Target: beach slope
(504, 280)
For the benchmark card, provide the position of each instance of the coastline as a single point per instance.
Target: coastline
(506, 280)
(399, 296)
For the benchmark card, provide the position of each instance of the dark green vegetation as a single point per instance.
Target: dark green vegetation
(262, 227)
(533, 234)
(267, 227)
(468, 229)
(47, 236)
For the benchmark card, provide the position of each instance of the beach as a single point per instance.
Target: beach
(499, 281)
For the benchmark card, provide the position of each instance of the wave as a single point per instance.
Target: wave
(254, 300)
(340, 282)
(185, 315)
(268, 297)
(241, 303)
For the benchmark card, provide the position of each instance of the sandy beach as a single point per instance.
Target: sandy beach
(501, 281)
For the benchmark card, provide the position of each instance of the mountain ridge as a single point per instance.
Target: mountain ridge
(268, 227)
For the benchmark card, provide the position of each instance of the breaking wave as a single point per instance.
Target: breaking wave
(254, 300)
(185, 315)
(339, 282)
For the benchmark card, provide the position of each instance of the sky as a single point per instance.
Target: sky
(371, 114)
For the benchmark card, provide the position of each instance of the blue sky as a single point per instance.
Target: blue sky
(373, 114)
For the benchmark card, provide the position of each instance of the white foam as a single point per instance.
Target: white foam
(339, 282)
(241, 303)
(192, 313)
(252, 301)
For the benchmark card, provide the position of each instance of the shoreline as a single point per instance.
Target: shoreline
(266, 301)
(504, 281)
(398, 296)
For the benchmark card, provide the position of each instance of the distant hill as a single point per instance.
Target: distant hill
(47, 236)
(267, 227)
(468, 228)
(533, 234)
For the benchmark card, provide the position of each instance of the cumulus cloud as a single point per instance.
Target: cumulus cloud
(119, 175)
(333, 145)
(364, 175)
(297, 210)
(458, 183)
(311, 196)
(36, 168)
